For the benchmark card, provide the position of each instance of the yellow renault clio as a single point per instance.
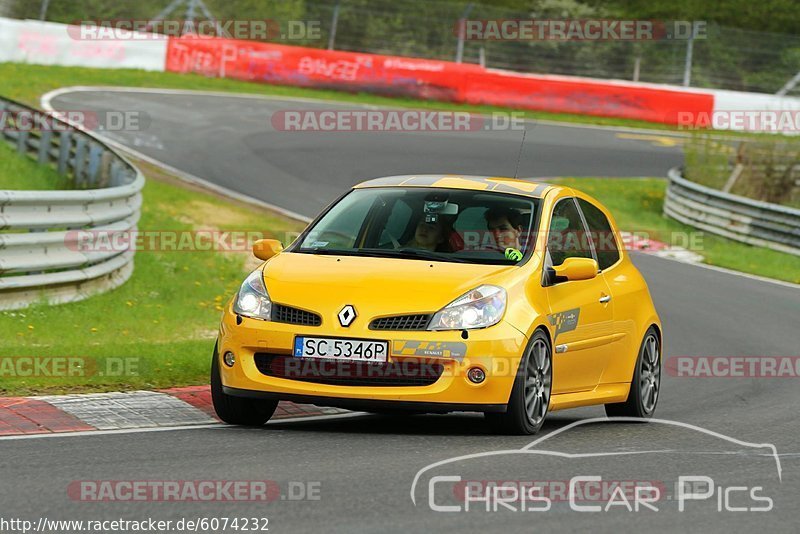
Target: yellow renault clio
(439, 293)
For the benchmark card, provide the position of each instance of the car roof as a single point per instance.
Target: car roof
(498, 184)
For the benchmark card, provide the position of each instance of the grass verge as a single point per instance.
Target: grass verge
(157, 329)
(636, 204)
(24, 173)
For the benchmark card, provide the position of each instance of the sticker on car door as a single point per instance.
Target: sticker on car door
(565, 321)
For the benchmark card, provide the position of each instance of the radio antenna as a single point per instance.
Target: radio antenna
(519, 156)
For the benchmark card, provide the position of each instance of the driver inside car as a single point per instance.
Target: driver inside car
(430, 235)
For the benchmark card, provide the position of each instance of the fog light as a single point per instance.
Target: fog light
(476, 375)
(229, 359)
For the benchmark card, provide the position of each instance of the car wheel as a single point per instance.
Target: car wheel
(237, 410)
(530, 395)
(646, 382)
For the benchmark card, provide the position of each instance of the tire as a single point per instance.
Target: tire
(646, 382)
(534, 381)
(237, 410)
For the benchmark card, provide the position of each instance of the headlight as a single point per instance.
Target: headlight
(253, 299)
(478, 308)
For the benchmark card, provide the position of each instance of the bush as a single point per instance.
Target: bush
(768, 166)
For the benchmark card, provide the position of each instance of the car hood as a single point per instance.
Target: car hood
(375, 286)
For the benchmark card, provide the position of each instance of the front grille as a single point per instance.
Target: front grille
(348, 373)
(287, 314)
(401, 322)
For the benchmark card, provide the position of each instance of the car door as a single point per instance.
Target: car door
(618, 277)
(580, 311)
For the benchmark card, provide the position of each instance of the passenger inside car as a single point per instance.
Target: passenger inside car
(506, 225)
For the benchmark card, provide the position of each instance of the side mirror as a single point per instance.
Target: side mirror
(576, 269)
(264, 249)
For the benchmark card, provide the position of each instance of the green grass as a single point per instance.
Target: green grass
(636, 205)
(18, 172)
(165, 316)
(27, 83)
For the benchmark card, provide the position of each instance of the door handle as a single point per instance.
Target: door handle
(605, 299)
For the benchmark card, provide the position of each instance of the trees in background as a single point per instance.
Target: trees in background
(737, 53)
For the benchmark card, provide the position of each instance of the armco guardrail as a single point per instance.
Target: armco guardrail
(743, 219)
(39, 257)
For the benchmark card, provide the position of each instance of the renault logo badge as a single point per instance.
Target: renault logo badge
(347, 315)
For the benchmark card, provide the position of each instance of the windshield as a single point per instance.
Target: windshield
(425, 223)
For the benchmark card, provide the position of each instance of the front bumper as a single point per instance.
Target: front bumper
(497, 350)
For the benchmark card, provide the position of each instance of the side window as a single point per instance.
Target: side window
(567, 237)
(605, 244)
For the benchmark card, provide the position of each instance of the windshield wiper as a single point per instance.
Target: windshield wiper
(329, 251)
(410, 253)
(383, 253)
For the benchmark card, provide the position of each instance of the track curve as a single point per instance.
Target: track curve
(230, 141)
(366, 464)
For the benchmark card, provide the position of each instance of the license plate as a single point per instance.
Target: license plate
(341, 349)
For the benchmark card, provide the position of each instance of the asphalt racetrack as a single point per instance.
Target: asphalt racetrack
(231, 142)
(364, 466)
